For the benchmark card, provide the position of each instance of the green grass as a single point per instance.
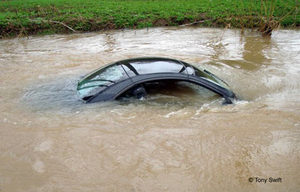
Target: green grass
(43, 16)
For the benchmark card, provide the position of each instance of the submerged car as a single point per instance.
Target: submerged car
(132, 75)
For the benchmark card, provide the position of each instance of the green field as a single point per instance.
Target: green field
(24, 17)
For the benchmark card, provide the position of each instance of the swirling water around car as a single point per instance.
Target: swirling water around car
(180, 139)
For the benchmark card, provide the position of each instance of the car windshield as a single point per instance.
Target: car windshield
(97, 81)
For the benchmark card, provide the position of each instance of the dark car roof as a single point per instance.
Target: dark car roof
(148, 59)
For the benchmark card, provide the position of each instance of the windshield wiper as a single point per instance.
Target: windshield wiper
(91, 86)
(100, 80)
(92, 80)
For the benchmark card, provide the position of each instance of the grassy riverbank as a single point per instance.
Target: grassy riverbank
(24, 17)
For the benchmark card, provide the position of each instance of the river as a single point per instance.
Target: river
(175, 140)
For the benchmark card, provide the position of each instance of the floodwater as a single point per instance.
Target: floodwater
(180, 139)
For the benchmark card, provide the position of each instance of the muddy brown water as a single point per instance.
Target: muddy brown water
(175, 140)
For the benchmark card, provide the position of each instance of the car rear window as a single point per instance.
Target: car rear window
(146, 67)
